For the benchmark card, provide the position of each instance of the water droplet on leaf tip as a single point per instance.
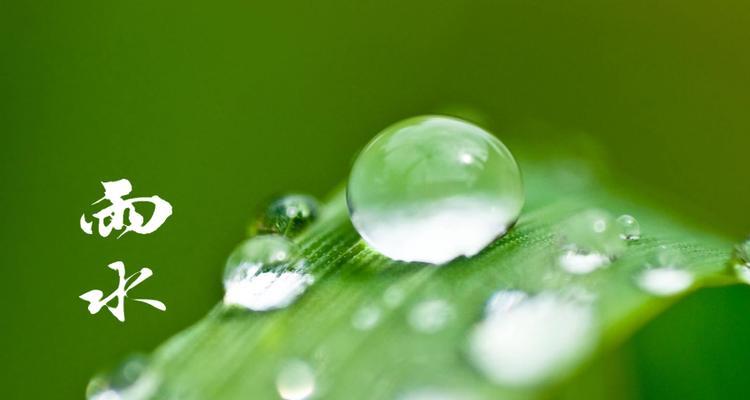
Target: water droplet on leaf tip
(286, 215)
(264, 273)
(432, 188)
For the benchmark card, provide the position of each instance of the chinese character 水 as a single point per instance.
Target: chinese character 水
(96, 300)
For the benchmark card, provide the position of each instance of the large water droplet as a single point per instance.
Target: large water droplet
(264, 273)
(590, 240)
(127, 380)
(295, 380)
(630, 228)
(430, 316)
(433, 188)
(531, 341)
(286, 215)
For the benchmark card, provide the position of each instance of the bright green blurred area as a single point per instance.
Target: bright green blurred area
(215, 106)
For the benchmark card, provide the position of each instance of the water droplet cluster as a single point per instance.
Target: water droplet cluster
(268, 272)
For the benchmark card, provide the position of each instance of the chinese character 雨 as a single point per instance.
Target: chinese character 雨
(113, 217)
(96, 300)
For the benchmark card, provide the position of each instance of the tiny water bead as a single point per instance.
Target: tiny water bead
(127, 380)
(433, 188)
(590, 240)
(430, 316)
(630, 228)
(366, 318)
(264, 273)
(286, 215)
(531, 340)
(295, 380)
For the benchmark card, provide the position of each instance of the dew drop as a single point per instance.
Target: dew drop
(533, 340)
(286, 215)
(393, 296)
(295, 380)
(366, 318)
(664, 281)
(430, 316)
(433, 188)
(265, 273)
(630, 229)
(590, 240)
(126, 381)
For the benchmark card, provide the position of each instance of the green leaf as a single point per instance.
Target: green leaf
(234, 354)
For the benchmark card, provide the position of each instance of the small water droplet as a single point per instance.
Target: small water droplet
(664, 281)
(430, 316)
(127, 380)
(286, 215)
(265, 273)
(295, 380)
(433, 188)
(532, 341)
(629, 226)
(366, 318)
(393, 296)
(590, 240)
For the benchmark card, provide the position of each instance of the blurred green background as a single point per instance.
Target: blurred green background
(216, 105)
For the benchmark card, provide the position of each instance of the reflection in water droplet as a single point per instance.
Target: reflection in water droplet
(430, 316)
(366, 318)
(630, 229)
(664, 281)
(287, 215)
(264, 273)
(533, 341)
(295, 380)
(126, 381)
(590, 240)
(445, 188)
